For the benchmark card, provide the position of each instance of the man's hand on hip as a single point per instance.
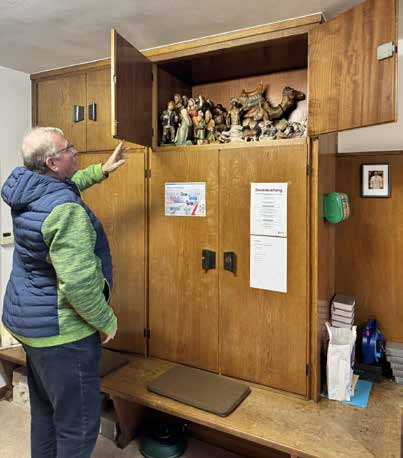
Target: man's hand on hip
(116, 159)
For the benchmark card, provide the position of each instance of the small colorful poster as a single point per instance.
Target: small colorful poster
(185, 199)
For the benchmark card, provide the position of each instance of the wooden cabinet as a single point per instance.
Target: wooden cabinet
(349, 86)
(183, 298)
(54, 103)
(131, 92)
(99, 137)
(214, 320)
(263, 334)
(54, 99)
(119, 204)
(265, 337)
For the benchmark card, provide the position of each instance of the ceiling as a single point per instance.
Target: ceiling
(38, 35)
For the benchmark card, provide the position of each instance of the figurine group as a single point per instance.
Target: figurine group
(250, 117)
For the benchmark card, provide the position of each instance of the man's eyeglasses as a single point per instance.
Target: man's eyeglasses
(68, 148)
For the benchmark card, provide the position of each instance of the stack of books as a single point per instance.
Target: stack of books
(342, 311)
(394, 354)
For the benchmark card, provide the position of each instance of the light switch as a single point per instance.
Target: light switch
(386, 50)
(7, 238)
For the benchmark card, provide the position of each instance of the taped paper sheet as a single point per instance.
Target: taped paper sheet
(268, 236)
(268, 215)
(268, 263)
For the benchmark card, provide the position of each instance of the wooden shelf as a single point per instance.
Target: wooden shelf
(221, 146)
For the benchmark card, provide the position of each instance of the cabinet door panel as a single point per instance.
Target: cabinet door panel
(183, 297)
(131, 93)
(118, 202)
(263, 334)
(99, 136)
(348, 86)
(55, 100)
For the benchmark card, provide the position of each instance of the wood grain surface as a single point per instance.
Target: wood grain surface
(326, 429)
(99, 134)
(263, 334)
(183, 303)
(131, 93)
(369, 246)
(228, 40)
(322, 237)
(274, 84)
(55, 100)
(348, 86)
(278, 54)
(118, 202)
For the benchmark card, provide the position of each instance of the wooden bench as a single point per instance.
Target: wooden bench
(296, 427)
(11, 358)
(280, 423)
(15, 357)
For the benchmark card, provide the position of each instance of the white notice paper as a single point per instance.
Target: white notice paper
(268, 263)
(185, 199)
(268, 209)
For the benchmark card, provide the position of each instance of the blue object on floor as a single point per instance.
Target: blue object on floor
(373, 343)
(361, 394)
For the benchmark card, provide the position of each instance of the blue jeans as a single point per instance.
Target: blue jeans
(65, 398)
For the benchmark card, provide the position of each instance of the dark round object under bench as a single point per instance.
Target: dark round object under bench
(163, 441)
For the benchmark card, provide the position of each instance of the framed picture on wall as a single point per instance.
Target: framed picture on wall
(375, 180)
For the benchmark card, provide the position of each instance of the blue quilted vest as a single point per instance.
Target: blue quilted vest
(30, 302)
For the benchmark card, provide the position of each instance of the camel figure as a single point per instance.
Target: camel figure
(256, 108)
(288, 102)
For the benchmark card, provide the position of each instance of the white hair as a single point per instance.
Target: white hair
(37, 145)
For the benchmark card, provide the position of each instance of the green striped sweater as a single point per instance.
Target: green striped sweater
(70, 237)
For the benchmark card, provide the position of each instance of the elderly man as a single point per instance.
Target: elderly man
(57, 298)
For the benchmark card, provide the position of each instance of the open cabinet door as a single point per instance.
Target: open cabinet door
(131, 92)
(348, 86)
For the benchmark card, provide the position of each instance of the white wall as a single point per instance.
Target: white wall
(15, 120)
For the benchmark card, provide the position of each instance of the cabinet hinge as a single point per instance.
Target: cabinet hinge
(114, 79)
(147, 333)
(308, 169)
(152, 131)
(152, 76)
(308, 370)
(147, 173)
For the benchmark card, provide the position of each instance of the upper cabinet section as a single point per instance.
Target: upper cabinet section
(60, 102)
(278, 81)
(348, 86)
(246, 86)
(242, 61)
(77, 100)
(99, 136)
(131, 92)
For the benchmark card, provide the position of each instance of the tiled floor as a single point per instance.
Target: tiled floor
(14, 440)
